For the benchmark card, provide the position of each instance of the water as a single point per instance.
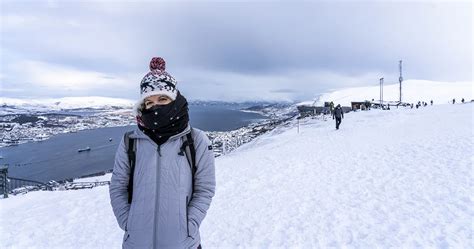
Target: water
(57, 158)
(218, 118)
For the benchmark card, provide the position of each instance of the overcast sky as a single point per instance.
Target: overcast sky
(235, 51)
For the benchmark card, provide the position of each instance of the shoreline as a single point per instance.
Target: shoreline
(234, 139)
(223, 142)
(38, 127)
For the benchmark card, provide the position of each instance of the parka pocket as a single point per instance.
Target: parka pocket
(187, 218)
(126, 236)
(128, 224)
(192, 230)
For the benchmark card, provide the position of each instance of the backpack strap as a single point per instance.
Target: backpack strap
(131, 147)
(189, 150)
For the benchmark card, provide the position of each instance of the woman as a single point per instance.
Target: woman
(170, 193)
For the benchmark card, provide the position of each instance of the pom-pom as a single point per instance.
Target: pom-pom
(157, 63)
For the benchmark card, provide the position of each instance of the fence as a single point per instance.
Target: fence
(4, 181)
(18, 185)
(13, 185)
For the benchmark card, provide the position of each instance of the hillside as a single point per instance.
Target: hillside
(412, 92)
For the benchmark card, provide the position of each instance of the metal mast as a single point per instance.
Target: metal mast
(400, 79)
(381, 92)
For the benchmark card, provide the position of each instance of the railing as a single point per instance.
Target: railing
(18, 185)
(14, 183)
(81, 185)
(23, 186)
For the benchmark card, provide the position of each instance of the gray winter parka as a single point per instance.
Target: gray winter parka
(165, 212)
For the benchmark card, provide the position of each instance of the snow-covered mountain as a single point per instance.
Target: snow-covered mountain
(412, 92)
(17, 106)
(67, 103)
(386, 179)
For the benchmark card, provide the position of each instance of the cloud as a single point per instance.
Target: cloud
(283, 91)
(233, 50)
(293, 85)
(12, 21)
(59, 78)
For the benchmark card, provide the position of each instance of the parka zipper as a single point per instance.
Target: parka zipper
(159, 150)
(155, 227)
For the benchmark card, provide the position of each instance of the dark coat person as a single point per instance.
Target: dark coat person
(338, 114)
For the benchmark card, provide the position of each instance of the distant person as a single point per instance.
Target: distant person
(162, 204)
(411, 105)
(368, 104)
(331, 107)
(462, 100)
(431, 102)
(454, 101)
(338, 114)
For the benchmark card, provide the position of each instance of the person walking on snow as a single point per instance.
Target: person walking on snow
(338, 113)
(331, 107)
(164, 201)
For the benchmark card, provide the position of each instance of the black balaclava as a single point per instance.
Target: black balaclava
(161, 122)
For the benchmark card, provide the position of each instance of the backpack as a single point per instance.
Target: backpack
(187, 148)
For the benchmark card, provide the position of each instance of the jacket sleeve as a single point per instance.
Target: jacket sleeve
(204, 181)
(118, 186)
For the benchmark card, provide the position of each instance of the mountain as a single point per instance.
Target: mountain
(66, 103)
(16, 106)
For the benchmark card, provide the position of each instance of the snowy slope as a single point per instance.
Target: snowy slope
(399, 178)
(412, 92)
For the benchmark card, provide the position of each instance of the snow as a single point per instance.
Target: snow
(387, 179)
(102, 178)
(412, 92)
(399, 178)
(68, 103)
(59, 219)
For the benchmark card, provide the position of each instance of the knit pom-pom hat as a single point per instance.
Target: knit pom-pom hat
(156, 82)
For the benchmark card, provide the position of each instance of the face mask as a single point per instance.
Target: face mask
(159, 116)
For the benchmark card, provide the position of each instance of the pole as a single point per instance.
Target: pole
(298, 126)
(400, 79)
(4, 181)
(381, 92)
(223, 147)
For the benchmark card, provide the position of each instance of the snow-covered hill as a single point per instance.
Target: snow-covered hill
(67, 103)
(387, 179)
(34, 105)
(412, 92)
